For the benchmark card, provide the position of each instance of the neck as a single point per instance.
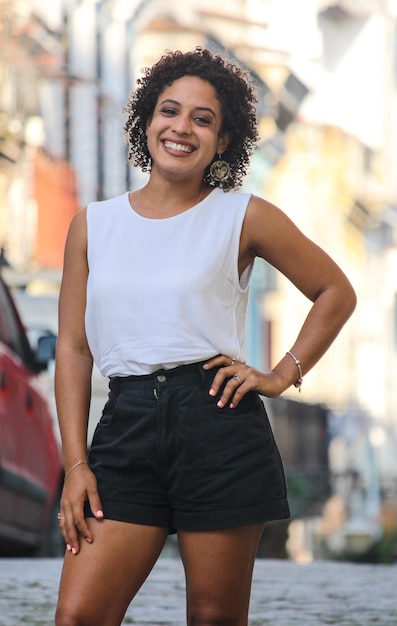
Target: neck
(169, 199)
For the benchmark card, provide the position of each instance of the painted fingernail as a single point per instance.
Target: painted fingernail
(68, 547)
(220, 404)
(74, 551)
(212, 392)
(205, 366)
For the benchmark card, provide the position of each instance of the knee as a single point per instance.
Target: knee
(208, 617)
(62, 618)
(215, 621)
(67, 617)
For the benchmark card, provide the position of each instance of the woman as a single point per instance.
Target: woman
(154, 290)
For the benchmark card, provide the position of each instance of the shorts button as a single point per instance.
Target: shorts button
(161, 378)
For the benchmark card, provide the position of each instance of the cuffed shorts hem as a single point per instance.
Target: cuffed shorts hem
(195, 520)
(216, 520)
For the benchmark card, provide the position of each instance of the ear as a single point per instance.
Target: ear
(223, 142)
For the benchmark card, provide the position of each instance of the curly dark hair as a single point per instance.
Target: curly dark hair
(235, 93)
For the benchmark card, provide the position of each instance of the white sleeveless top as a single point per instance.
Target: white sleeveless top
(165, 292)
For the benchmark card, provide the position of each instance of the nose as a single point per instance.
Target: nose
(182, 125)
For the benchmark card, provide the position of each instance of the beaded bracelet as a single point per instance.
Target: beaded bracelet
(79, 462)
(297, 362)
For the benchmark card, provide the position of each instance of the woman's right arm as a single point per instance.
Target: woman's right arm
(73, 388)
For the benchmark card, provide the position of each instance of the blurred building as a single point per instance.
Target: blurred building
(37, 187)
(325, 71)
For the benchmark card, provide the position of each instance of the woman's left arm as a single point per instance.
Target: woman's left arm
(268, 233)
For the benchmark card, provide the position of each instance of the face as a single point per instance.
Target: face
(183, 133)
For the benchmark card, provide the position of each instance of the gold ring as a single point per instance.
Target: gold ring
(237, 378)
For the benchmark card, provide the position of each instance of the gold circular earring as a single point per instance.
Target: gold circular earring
(219, 170)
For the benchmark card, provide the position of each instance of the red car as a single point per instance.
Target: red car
(30, 461)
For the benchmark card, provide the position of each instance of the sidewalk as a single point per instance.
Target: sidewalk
(283, 594)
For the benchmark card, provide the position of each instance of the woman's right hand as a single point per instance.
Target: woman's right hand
(78, 487)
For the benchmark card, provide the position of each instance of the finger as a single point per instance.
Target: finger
(69, 532)
(76, 529)
(73, 526)
(83, 529)
(238, 395)
(61, 523)
(222, 374)
(95, 504)
(80, 522)
(219, 361)
(229, 392)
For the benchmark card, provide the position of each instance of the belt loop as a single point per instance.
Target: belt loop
(201, 370)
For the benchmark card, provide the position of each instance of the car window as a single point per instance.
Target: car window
(14, 337)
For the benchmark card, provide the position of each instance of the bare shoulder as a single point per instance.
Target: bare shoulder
(270, 234)
(266, 227)
(261, 211)
(79, 220)
(75, 267)
(77, 234)
(75, 254)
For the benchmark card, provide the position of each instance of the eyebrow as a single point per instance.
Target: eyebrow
(169, 100)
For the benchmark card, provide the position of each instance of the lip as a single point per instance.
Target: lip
(178, 147)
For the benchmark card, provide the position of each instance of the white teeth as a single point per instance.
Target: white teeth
(177, 146)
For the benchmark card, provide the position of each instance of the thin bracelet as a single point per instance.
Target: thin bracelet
(298, 383)
(79, 462)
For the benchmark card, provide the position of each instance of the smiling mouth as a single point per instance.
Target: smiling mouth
(178, 147)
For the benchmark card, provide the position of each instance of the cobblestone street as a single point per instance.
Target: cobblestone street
(284, 594)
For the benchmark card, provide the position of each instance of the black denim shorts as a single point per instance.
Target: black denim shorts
(165, 455)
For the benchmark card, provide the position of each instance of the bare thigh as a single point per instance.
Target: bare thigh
(218, 566)
(99, 582)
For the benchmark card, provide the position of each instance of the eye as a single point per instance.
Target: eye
(168, 111)
(199, 119)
